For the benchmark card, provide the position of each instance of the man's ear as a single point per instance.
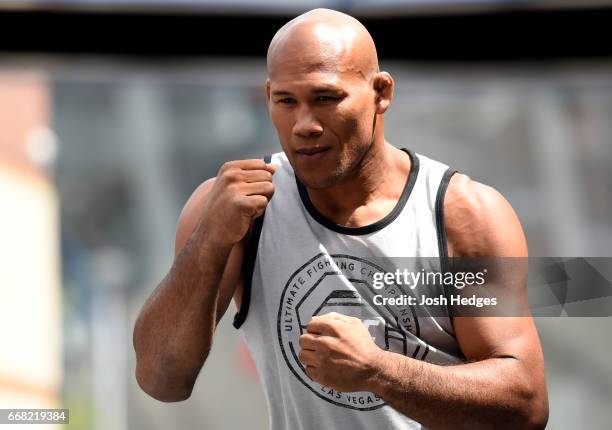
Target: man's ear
(383, 85)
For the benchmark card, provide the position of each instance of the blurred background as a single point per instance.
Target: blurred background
(115, 111)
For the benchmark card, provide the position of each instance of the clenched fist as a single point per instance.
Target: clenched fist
(240, 193)
(338, 352)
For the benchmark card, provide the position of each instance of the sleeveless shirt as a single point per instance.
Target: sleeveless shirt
(299, 264)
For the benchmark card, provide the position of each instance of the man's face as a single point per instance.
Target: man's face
(328, 110)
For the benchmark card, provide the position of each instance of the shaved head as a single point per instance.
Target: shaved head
(324, 40)
(326, 94)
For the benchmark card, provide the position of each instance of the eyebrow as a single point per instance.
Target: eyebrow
(317, 90)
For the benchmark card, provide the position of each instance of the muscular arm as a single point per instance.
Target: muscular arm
(502, 385)
(174, 331)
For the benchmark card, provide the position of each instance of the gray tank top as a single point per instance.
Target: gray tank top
(300, 264)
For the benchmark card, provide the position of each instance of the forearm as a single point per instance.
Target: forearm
(484, 394)
(174, 332)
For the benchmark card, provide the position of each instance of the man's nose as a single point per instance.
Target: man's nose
(306, 124)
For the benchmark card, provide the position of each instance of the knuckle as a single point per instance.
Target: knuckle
(239, 201)
(226, 176)
(229, 187)
(253, 207)
(256, 204)
(323, 325)
(234, 175)
(328, 322)
(245, 205)
(226, 166)
(268, 188)
(262, 202)
(326, 344)
(335, 329)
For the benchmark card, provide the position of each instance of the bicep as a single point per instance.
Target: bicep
(481, 223)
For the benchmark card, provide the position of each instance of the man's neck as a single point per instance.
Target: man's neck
(370, 193)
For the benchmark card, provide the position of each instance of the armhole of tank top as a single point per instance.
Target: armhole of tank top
(248, 265)
(441, 233)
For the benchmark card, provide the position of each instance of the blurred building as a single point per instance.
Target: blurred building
(30, 304)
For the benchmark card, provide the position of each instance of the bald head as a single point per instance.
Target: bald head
(324, 89)
(322, 40)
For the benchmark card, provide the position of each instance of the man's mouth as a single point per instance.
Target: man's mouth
(312, 151)
(312, 154)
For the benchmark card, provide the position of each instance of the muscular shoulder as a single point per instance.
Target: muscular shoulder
(479, 221)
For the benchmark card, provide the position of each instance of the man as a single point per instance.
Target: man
(329, 357)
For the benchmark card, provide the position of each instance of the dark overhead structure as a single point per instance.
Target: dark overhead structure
(434, 30)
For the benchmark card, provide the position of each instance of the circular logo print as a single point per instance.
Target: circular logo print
(343, 284)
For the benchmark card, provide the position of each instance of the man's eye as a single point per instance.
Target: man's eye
(286, 101)
(326, 98)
